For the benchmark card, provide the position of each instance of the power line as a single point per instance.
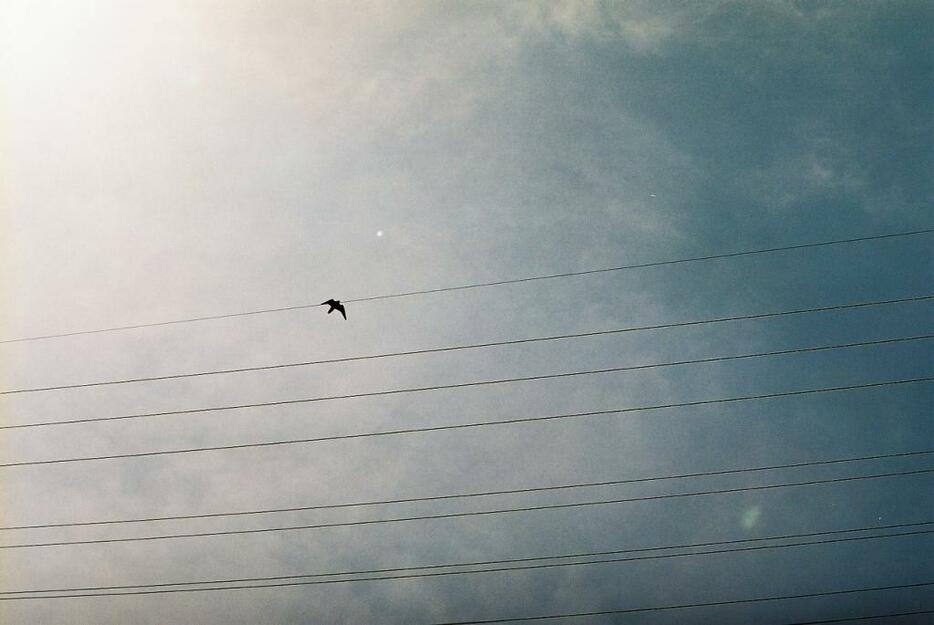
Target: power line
(476, 424)
(646, 265)
(489, 493)
(434, 350)
(491, 562)
(861, 618)
(683, 606)
(483, 284)
(384, 574)
(474, 513)
(436, 387)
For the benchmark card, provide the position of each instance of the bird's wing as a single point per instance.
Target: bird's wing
(340, 307)
(329, 302)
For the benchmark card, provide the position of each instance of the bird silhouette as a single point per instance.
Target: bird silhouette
(335, 304)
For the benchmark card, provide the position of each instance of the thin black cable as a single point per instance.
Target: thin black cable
(860, 618)
(437, 387)
(474, 513)
(316, 578)
(480, 285)
(534, 618)
(476, 424)
(644, 265)
(493, 562)
(489, 493)
(435, 350)
(707, 604)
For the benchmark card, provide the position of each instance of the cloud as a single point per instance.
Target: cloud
(180, 159)
(640, 26)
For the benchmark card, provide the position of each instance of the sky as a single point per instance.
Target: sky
(171, 160)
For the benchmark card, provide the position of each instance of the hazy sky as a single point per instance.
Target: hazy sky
(163, 160)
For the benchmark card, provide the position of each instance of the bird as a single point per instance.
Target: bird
(335, 304)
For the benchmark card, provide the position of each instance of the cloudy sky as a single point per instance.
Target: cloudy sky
(167, 160)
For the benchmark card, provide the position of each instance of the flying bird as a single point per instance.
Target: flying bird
(335, 304)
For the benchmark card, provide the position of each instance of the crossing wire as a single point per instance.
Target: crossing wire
(474, 513)
(476, 424)
(532, 378)
(478, 285)
(683, 606)
(488, 493)
(396, 573)
(861, 618)
(435, 350)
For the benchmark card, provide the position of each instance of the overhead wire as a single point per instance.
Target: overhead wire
(706, 604)
(427, 571)
(478, 285)
(867, 617)
(434, 350)
(678, 261)
(436, 387)
(476, 424)
(472, 513)
(487, 493)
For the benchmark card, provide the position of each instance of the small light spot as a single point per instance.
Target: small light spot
(379, 233)
(651, 195)
(751, 517)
